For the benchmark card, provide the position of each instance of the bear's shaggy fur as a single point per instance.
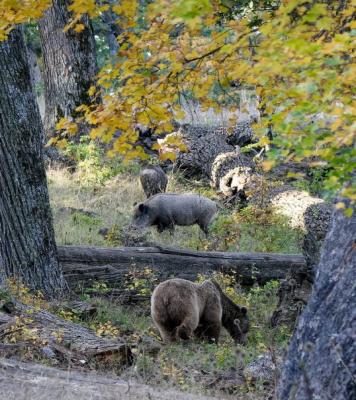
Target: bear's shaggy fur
(165, 210)
(181, 308)
(153, 180)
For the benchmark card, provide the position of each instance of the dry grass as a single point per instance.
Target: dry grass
(111, 205)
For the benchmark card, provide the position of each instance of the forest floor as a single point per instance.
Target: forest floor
(94, 198)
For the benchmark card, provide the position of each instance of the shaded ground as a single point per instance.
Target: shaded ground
(28, 381)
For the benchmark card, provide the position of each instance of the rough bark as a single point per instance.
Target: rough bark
(232, 173)
(65, 337)
(205, 143)
(317, 218)
(293, 295)
(321, 356)
(69, 65)
(27, 246)
(85, 264)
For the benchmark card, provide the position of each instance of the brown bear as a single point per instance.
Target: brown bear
(181, 308)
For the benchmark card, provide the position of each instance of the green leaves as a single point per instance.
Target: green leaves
(190, 9)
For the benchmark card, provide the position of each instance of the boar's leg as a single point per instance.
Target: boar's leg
(165, 222)
(204, 227)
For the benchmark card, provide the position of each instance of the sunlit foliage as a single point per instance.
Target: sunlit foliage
(297, 56)
(18, 12)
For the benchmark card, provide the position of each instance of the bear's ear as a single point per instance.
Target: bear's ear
(237, 323)
(142, 207)
(243, 310)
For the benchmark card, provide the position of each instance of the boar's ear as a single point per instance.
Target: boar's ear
(243, 310)
(142, 207)
(135, 203)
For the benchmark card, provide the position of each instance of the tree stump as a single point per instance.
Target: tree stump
(232, 173)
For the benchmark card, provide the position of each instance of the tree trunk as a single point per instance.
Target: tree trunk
(82, 264)
(27, 247)
(69, 65)
(321, 357)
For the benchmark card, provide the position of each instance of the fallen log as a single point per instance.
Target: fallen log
(71, 340)
(83, 264)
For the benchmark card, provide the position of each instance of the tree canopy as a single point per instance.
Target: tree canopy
(296, 55)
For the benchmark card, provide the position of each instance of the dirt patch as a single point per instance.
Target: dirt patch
(26, 381)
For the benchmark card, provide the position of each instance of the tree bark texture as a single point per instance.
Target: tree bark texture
(69, 65)
(27, 245)
(66, 337)
(205, 143)
(232, 173)
(321, 358)
(83, 264)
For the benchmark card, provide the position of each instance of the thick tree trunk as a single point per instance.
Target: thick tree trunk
(69, 64)
(321, 357)
(86, 264)
(27, 246)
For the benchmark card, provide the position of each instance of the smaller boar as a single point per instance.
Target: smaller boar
(181, 308)
(153, 180)
(167, 210)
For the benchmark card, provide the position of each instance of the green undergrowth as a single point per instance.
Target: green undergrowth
(194, 365)
(82, 207)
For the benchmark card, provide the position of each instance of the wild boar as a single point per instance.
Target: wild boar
(167, 210)
(181, 309)
(153, 180)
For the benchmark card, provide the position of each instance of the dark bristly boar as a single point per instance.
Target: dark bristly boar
(181, 309)
(153, 180)
(167, 210)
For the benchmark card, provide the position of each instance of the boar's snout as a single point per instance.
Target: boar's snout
(140, 218)
(139, 223)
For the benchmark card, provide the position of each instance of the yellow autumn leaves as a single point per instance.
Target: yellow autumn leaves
(18, 12)
(299, 60)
